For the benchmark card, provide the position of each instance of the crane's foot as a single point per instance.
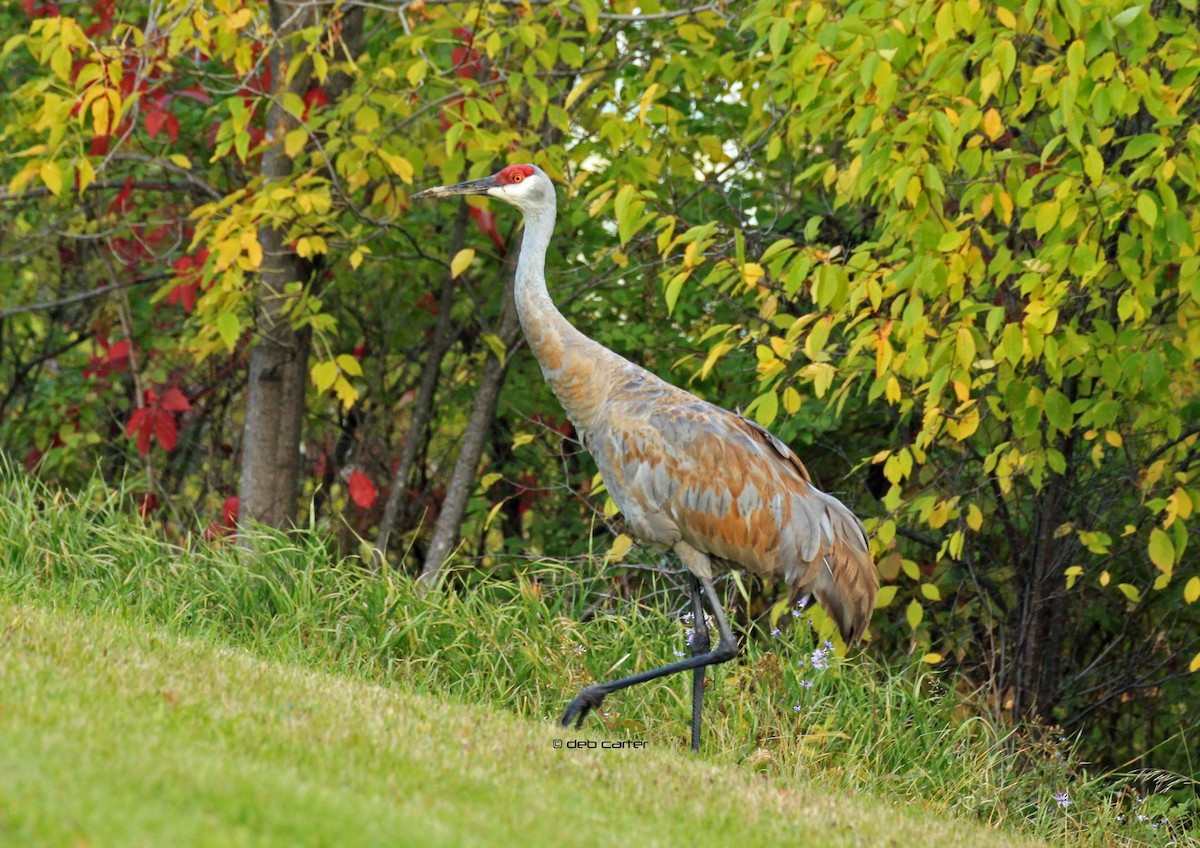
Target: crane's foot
(586, 701)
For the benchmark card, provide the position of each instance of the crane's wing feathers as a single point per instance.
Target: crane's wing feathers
(681, 468)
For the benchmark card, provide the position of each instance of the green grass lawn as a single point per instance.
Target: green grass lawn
(114, 734)
(191, 693)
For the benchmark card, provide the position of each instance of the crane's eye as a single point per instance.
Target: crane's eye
(516, 178)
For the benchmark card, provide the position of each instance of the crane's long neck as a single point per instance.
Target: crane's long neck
(577, 368)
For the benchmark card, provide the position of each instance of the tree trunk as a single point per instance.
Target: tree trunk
(279, 357)
(462, 480)
(427, 389)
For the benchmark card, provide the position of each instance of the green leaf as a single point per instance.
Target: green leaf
(229, 328)
(1058, 410)
(1125, 18)
(885, 596)
(1046, 217)
(1147, 208)
(1162, 551)
(766, 408)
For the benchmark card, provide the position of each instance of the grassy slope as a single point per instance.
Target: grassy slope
(112, 734)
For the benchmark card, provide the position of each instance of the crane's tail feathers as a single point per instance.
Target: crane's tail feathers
(840, 573)
(845, 587)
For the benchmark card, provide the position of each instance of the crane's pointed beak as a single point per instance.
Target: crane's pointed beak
(472, 187)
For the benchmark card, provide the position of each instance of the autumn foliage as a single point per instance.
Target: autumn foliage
(947, 250)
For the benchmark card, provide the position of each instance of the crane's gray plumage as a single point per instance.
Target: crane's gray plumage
(687, 475)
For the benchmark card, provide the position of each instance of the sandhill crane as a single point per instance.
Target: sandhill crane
(687, 475)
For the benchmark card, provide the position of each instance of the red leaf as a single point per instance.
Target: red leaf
(486, 222)
(155, 119)
(121, 201)
(147, 504)
(229, 510)
(136, 420)
(174, 400)
(165, 429)
(362, 490)
(314, 97)
(185, 295)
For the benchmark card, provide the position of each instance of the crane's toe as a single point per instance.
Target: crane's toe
(584, 702)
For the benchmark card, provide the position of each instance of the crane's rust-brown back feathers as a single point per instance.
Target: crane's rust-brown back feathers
(683, 469)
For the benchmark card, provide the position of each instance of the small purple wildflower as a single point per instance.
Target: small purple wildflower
(828, 645)
(807, 684)
(1141, 817)
(795, 613)
(820, 659)
(798, 708)
(775, 633)
(802, 603)
(680, 654)
(800, 662)
(579, 649)
(1063, 799)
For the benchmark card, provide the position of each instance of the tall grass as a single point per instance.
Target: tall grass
(788, 707)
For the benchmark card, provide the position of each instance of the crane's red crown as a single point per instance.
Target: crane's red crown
(514, 174)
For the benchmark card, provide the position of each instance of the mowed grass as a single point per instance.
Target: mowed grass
(114, 734)
(502, 653)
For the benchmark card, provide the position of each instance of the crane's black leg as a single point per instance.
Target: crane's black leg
(698, 644)
(727, 648)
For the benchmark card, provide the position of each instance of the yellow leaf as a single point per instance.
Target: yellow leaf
(181, 161)
(885, 596)
(1006, 207)
(346, 393)
(752, 272)
(495, 345)
(1195, 664)
(51, 176)
(993, 125)
(914, 614)
(254, 251)
(349, 365)
(400, 166)
(461, 261)
(294, 141)
(932, 658)
(324, 374)
(620, 547)
(489, 479)
(931, 592)
(1006, 17)
(974, 517)
(1130, 591)
(644, 104)
(237, 20)
(356, 259)
(87, 174)
(1191, 592)
(1073, 573)
(522, 439)
(1104, 578)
